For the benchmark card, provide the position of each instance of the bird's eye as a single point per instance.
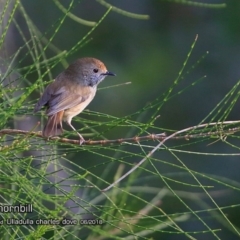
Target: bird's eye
(95, 70)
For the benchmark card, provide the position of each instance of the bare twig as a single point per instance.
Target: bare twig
(160, 137)
(153, 137)
(163, 141)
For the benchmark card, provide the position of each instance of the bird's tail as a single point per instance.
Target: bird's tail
(53, 126)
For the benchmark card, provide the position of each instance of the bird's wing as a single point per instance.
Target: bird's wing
(47, 95)
(64, 101)
(61, 99)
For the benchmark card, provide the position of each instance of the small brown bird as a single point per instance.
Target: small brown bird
(70, 93)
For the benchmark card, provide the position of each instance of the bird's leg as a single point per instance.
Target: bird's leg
(82, 140)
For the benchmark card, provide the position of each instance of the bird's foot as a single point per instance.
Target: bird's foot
(81, 140)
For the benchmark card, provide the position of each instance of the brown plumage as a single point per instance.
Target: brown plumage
(70, 93)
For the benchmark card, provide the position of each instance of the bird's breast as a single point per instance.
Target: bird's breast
(72, 112)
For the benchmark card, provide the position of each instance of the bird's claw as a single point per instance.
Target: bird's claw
(81, 141)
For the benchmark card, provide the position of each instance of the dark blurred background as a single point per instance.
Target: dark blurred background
(150, 54)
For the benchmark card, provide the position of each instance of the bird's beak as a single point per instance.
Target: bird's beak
(109, 74)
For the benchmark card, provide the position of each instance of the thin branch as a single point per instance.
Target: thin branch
(163, 141)
(160, 137)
